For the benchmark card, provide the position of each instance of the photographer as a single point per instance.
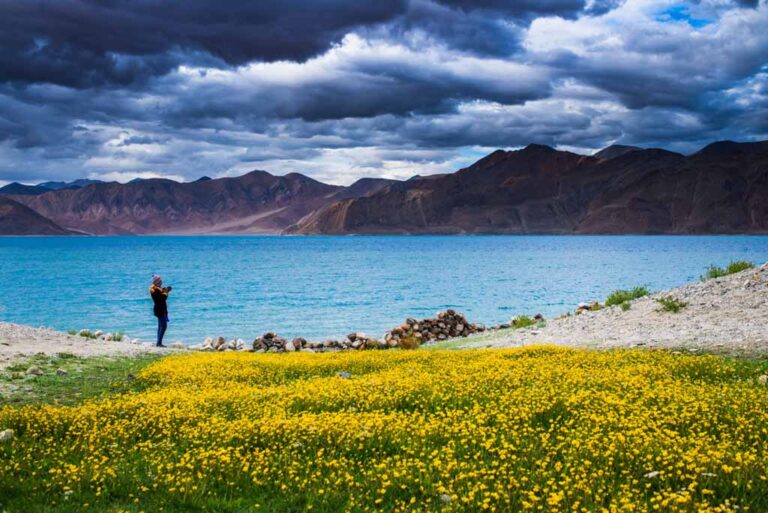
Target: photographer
(160, 297)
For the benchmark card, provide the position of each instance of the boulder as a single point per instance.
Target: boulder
(178, 345)
(6, 435)
(34, 371)
(61, 372)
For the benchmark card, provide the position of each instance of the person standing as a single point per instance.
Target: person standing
(160, 298)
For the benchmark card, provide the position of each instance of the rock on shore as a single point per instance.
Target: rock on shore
(447, 324)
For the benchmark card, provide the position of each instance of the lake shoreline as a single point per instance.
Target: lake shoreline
(723, 315)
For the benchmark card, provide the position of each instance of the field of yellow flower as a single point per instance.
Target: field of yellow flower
(538, 429)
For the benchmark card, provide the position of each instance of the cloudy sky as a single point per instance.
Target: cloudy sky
(340, 89)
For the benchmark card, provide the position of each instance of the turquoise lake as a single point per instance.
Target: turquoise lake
(321, 287)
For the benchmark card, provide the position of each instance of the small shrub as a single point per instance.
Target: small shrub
(736, 266)
(118, 336)
(409, 343)
(671, 304)
(625, 306)
(522, 321)
(88, 334)
(72, 332)
(618, 297)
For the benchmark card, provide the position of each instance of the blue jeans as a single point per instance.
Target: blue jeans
(162, 325)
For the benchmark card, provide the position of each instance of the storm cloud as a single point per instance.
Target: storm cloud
(343, 89)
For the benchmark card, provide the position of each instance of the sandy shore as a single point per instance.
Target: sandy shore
(724, 315)
(18, 341)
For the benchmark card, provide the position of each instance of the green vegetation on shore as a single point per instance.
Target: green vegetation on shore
(67, 379)
(735, 266)
(617, 297)
(671, 304)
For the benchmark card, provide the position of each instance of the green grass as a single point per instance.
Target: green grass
(476, 341)
(618, 297)
(85, 334)
(671, 304)
(625, 306)
(83, 378)
(523, 321)
(118, 336)
(735, 266)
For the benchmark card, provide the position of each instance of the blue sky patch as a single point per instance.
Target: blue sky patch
(682, 13)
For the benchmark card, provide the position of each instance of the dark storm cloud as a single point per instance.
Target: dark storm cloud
(119, 89)
(91, 43)
(83, 43)
(527, 9)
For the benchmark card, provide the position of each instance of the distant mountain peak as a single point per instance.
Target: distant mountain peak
(615, 150)
(204, 179)
(74, 184)
(539, 147)
(732, 148)
(20, 189)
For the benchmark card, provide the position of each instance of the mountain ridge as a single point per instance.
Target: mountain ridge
(18, 219)
(539, 190)
(536, 189)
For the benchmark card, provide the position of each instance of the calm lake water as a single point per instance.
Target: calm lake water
(320, 287)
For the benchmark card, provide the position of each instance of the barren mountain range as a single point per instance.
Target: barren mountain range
(722, 188)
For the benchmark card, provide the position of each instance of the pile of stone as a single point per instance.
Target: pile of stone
(219, 344)
(272, 343)
(356, 340)
(447, 324)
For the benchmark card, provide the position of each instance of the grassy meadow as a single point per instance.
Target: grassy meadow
(535, 429)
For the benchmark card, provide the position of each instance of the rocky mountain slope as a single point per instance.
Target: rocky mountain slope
(720, 189)
(253, 203)
(622, 189)
(17, 219)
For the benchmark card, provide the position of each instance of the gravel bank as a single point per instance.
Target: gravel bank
(728, 315)
(17, 340)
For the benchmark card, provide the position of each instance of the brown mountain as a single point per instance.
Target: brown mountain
(257, 202)
(17, 219)
(615, 150)
(363, 187)
(721, 189)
